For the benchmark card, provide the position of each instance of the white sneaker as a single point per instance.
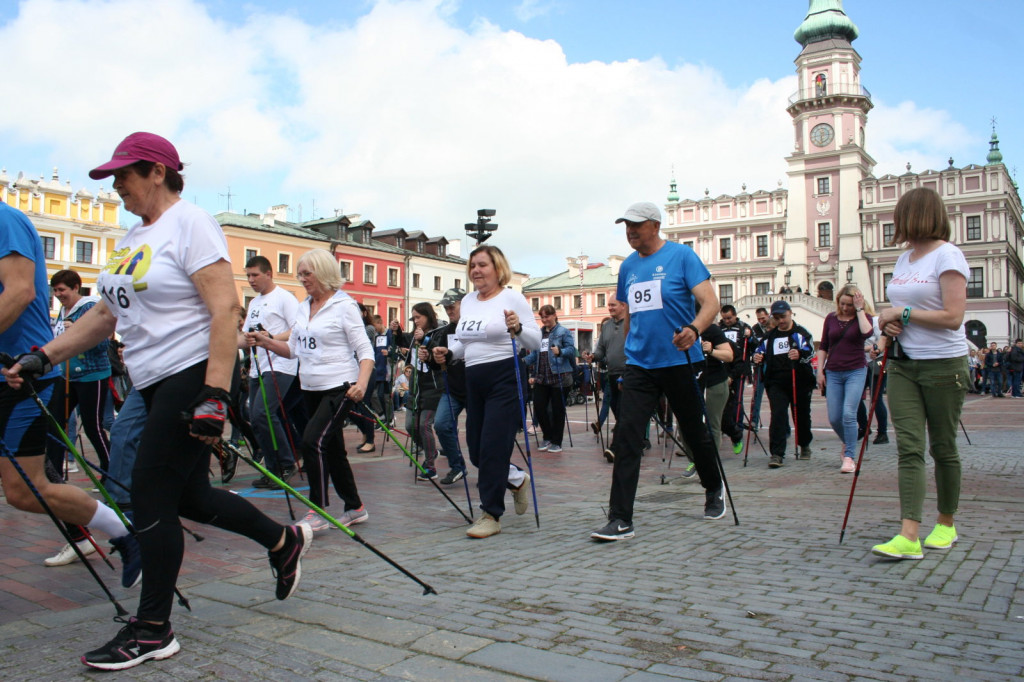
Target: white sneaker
(67, 555)
(521, 495)
(73, 469)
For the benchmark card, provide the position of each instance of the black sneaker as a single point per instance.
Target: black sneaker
(135, 643)
(285, 475)
(714, 504)
(453, 476)
(609, 455)
(881, 439)
(775, 462)
(284, 563)
(615, 530)
(131, 559)
(261, 482)
(427, 475)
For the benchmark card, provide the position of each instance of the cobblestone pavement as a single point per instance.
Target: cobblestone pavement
(775, 598)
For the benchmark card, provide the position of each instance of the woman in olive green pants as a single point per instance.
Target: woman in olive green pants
(928, 373)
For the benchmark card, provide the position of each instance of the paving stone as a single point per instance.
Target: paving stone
(544, 665)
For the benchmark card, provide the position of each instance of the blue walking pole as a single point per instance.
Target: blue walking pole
(451, 411)
(526, 437)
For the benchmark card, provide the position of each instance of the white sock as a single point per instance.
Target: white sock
(107, 521)
(516, 476)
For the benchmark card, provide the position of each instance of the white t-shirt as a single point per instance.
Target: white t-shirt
(329, 347)
(917, 285)
(276, 311)
(147, 284)
(481, 335)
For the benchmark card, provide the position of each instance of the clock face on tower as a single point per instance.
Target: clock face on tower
(821, 135)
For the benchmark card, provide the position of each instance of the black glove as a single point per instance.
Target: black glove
(209, 411)
(34, 364)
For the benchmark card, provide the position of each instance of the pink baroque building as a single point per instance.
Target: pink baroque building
(579, 295)
(830, 225)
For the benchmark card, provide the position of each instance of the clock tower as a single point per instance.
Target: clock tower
(829, 110)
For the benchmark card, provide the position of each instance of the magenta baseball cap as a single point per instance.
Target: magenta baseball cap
(139, 147)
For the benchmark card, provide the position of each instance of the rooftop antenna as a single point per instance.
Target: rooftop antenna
(228, 195)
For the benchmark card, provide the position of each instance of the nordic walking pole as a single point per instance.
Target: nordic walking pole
(561, 392)
(455, 427)
(270, 426)
(7, 361)
(122, 486)
(965, 432)
(750, 419)
(427, 589)
(389, 433)
(864, 443)
(526, 438)
(121, 612)
(707, 426)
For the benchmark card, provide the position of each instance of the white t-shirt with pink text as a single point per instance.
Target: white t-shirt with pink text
(916, 284)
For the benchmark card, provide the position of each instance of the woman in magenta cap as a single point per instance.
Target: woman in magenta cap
(169, 290)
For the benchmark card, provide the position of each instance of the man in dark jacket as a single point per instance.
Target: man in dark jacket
(786, 352)
(446, 419)
(1016, 367)
(994, 370)
(611, 355)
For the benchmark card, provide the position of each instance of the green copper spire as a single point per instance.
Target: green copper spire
(994, 155)
(673, 195)
(825, 19)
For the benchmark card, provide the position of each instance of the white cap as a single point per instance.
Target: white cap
(641, 211)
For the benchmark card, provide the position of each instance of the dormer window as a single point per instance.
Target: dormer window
(419, 247)
(401, 242)
(366, 235)
(441, 250)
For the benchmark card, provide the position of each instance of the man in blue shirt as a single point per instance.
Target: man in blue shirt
(25, 324)
(662, 283)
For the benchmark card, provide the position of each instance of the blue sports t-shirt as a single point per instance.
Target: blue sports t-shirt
(32, 328)
(659, 291)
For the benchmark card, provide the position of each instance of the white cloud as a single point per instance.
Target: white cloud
(407, 119)
(531, 9)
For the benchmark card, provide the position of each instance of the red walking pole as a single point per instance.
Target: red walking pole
(864, 443)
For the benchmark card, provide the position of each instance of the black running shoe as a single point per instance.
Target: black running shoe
(261, 482)
(714, 504)
(615, 530)
(284, 563)
(135, 643)
(453, 476)
(131, 559)
(881, 439)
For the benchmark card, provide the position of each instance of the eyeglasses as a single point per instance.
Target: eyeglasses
(303, 274)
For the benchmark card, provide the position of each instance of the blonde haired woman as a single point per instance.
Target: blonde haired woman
(330, 340)
(842, 367)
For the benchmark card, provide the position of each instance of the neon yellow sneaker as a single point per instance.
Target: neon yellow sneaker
(899, 548)
(737, 448)
(942, 537)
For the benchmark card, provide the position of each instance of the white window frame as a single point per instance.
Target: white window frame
(246, 251)
(291, 262)
(372, 269)
(394, 274)
(345, 265)
(817, 185)
(416, 280)
(731, 250)
(824, 223)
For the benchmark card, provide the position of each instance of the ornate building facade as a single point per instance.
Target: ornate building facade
(78, 229)
(831, 225)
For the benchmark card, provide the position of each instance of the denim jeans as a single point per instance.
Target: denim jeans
(755, 412)
(446, 424)
(124, 444)
(1015, 382)
(844, 389)
(261, 417)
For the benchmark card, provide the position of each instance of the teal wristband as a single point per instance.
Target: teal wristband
(906, 315)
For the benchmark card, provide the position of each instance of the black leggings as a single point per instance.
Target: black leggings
(549, 408)
(323, 449)
(90, 397)
(171, 479)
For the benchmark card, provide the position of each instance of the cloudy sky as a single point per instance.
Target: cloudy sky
(556, 113)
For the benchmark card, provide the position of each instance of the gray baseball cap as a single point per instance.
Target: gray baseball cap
(640, 212)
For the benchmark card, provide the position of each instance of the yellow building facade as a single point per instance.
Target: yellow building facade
(78, 229)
